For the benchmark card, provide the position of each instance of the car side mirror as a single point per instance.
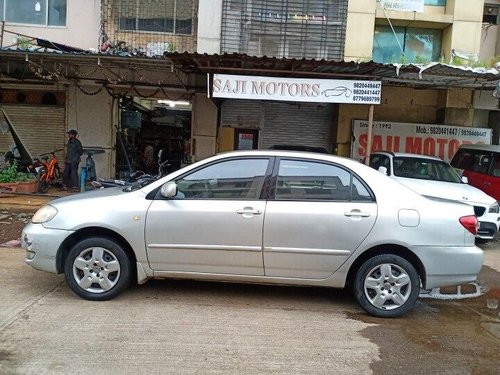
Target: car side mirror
(383, 170)
(465, 180)
(169, 190)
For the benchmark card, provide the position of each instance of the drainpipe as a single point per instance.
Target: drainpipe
(370, 131)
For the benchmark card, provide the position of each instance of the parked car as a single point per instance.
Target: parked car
(431, 176)
(481, 165)
(275, 217)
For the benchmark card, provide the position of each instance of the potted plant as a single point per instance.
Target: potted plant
(19, 182)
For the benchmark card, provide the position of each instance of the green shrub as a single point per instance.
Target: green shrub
(10, 174)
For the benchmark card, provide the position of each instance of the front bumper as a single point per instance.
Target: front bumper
(488, 225)
(447, 266)
(41, 245)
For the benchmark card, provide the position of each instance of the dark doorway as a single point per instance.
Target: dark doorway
(246, 139)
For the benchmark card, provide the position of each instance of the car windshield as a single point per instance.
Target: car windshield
(425, 169)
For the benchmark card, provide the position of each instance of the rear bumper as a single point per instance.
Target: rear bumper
(446, 266)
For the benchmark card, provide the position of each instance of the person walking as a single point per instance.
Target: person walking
(74, 151)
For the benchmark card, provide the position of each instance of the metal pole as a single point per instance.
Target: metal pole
(1, 33)
(370, 131)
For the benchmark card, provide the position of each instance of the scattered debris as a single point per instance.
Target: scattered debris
(470, 290)
(12, 243)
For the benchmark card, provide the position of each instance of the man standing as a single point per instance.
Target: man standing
(74, 150)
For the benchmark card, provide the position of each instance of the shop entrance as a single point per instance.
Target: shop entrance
(148, 126)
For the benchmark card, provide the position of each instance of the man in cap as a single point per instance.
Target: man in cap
(74, 151)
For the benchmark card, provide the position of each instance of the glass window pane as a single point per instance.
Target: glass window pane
(359, 191)
(419, 45)
(435, 2)
(127, 15)
(300, 180)
(184, 17)
(422, 45)
(1, 10)
(26, 11)
(234, 179)
(385, 45)
(156, 16)
(57, 12)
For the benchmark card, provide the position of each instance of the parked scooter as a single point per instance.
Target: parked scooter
(137, 177)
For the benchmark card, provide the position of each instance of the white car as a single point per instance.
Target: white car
(432, 176)
(281, 217)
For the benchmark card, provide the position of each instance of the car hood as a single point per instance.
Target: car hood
(92, 194)
(447, 190)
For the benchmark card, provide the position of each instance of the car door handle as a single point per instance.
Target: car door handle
(356, 213)
(248, 211)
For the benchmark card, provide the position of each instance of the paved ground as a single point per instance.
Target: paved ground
(187, 327)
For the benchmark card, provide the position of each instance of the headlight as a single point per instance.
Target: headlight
(494, 208)
(44, 214)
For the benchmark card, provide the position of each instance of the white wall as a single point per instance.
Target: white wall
(91, 116)
(484, 99)
(209, 26)
(81, 30)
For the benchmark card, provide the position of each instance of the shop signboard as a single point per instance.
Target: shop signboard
(295, 89)
(426, 139)
(403, 5)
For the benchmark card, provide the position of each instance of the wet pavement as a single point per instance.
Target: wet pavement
(195, 327)
(441, 336)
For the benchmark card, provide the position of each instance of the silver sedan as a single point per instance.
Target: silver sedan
(261, 217)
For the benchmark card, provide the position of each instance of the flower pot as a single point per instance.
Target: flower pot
(8, 186)
(27, 186)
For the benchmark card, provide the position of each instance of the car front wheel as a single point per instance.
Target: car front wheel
(386, 286)
(97, 268)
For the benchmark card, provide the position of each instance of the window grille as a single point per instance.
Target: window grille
(289, 28)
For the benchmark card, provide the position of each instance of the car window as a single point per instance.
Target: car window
(231, 179)
(303, 180)
(377, 161)
(495, 168)
(425, 169)
(463, 159)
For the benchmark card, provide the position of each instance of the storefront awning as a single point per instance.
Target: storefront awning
(433, 75)
(130, 69)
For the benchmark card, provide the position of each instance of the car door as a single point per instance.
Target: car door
(475, 165)
(318, 214)
(492, 180)
(214, 224)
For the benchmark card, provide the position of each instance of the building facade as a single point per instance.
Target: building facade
(130, 37)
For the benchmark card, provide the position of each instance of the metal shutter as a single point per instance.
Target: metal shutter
(41, 128)
(242, 114)
(297, 124)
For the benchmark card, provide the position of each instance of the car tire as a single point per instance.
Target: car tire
(386, 286)
(97, 269)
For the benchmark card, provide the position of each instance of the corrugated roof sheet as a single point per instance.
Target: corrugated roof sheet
(434, 75)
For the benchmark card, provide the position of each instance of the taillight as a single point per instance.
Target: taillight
(470, 223)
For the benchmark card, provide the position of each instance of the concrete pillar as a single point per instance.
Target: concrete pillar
(203, 127)
(209, 26)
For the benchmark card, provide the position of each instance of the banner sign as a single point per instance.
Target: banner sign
(295, 89)
(403, 5)
(425, 139)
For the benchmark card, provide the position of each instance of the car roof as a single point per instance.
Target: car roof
(481, 147)
(407, 155)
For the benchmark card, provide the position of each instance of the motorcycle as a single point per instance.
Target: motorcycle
(137, 177)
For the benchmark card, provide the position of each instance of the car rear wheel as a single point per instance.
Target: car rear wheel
(97, 268)
(386, 286)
